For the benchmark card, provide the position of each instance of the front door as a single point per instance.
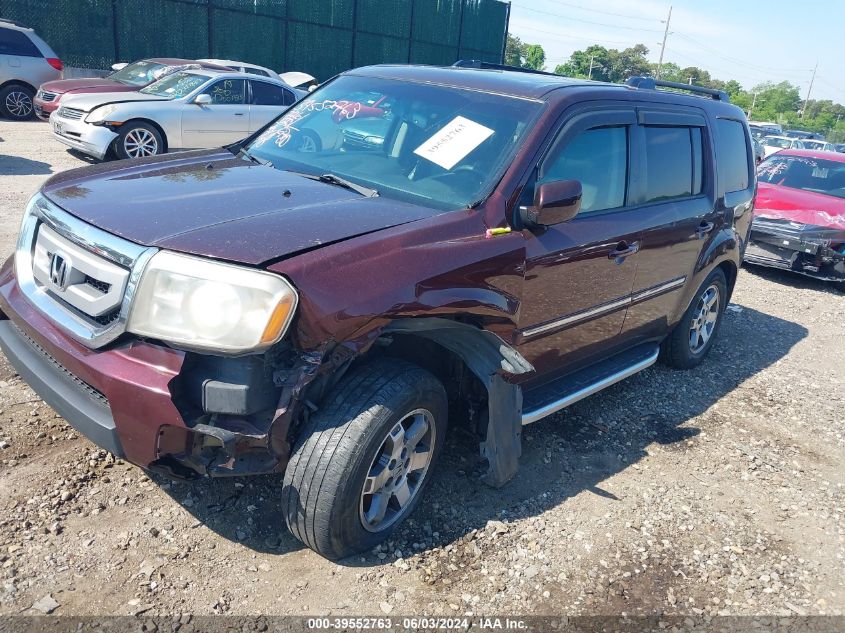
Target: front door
(223, 121)
(579, 274)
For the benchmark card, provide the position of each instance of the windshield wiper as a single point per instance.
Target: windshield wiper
(242, 153)
(333, 179)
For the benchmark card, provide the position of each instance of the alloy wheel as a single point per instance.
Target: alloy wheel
(18, 104)
(704, 319)
(139, 143)
(398, 470)
(307, 145)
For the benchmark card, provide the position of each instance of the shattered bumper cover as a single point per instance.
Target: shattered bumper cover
(817, 251)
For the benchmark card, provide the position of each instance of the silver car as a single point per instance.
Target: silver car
(191, 109)
(26, 62)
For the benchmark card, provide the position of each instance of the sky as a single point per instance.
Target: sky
(752, 41)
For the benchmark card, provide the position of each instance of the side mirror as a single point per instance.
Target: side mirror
(554, 202)
(119, 66)
(203, 99)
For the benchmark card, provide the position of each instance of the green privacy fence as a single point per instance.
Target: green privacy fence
(320, 37)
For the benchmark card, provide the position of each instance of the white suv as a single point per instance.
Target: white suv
(26, 62)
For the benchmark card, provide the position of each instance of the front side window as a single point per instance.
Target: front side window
(443, 147)
(176, 85)
(598, 158)
(227, 92)
(674, 166)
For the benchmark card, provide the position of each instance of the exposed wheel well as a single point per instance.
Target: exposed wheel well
(729, 268)
(467, 395)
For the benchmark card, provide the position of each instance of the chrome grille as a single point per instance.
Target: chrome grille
(47, 96)
(82, 278)
(71, 114)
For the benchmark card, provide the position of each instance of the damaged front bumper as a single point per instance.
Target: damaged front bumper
(141, 402)
(816, 251)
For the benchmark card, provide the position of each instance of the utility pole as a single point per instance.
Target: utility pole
(690, 80)
(663, 46)
(753, 103)
(809, 90)
(590, 76)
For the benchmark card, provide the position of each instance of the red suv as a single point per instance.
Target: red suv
(504, 245)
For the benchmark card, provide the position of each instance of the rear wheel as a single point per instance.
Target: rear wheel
(16, 102)
(694, 335)
(363, 460)
(138, 140)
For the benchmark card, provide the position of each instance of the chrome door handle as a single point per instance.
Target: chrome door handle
(703, 229)
(239, 113)
(623, 250)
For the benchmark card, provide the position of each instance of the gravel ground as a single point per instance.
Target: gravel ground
(713, 491)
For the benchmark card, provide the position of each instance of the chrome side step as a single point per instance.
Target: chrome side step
(571, 398)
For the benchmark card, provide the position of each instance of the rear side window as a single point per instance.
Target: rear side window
(268, 94)
(732, 155)
(674, 167)
(599, 159)
(17, 43)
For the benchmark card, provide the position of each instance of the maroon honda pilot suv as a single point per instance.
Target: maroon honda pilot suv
(313, 304)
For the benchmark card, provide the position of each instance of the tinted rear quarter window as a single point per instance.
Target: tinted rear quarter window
(268, 94)
(17, 43)
(673, 162)
(732, 156)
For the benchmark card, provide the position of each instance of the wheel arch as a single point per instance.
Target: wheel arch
(18, 82)
(468, 359)
(157, 126)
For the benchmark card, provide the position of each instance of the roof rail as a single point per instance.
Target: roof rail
(477, 63)
(650, 83)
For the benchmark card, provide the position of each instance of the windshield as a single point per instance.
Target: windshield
(771, 141)
(444, 146)
(808, 174)
(139, 73)
(175, 85)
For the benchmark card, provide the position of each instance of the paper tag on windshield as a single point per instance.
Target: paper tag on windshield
(453, 142)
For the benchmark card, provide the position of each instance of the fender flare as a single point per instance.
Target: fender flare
(488, 357)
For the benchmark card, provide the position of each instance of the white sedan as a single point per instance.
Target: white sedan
(191, 109)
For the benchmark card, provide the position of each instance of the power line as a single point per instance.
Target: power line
(571, 19)
(588, 9)
(574, 37)
(744, 62)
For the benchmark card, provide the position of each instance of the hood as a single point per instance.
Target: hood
(775, 202)
(88, 84)
(89, 101)
(214, 204)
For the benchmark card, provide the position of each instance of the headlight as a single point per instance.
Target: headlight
(206, 305)
(98, 115)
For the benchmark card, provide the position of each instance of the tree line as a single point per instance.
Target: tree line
(778, 102)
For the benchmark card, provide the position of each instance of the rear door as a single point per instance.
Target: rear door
(267, 101)
(223, 121)
(677, 206)
(579, 274)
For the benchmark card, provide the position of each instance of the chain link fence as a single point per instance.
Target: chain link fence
(320, 37)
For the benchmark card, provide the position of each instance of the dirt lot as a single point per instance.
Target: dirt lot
(713, 491)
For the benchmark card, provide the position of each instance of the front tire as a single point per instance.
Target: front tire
(693, 336)
(138, 140)
(16, 102)
(363, 460)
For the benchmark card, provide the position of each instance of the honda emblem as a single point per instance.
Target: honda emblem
(60, 270)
